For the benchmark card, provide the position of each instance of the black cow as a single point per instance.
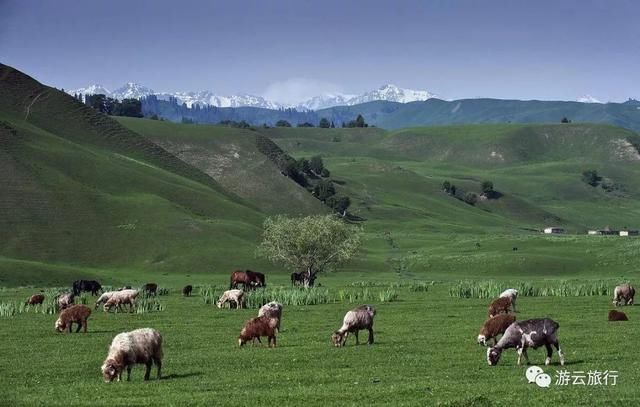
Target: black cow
(91, 286)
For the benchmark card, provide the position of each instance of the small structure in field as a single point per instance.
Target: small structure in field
(629, 233)
(604, 232)
(553, 230)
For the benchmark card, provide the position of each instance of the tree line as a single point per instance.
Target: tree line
(113, 107)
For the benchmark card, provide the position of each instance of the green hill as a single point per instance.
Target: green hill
(84, 194)
(81, 193)
(230, 156)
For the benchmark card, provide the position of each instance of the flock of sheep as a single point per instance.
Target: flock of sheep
(532, 333)
(144, 346)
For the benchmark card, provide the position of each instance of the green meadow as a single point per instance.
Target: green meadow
(130, 201)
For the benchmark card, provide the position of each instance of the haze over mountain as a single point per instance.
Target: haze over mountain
(388, 92)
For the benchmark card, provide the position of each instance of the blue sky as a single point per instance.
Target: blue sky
(294, 49)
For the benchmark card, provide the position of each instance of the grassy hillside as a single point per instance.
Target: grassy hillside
(84, 194)
(230, 156)
(81, 193)
(395, 181)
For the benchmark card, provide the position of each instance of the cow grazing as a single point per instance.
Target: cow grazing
(91, 286)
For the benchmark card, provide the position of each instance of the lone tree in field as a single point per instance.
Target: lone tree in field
(309, 245)
(324, 123)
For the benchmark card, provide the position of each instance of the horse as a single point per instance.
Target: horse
(256, 279)
(249, 279)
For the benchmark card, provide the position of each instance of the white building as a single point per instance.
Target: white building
(553, 230)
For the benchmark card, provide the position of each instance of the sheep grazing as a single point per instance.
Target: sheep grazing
(623, 294)
(120, 298)
(510, 293)
(531, 333)
(255, 328)
(128, 348)
(186, 291)
(355, 320)
(493, 327)
(272, 310)
(231, 296)
(500, 304)
(78, 314)
(617, 316)
(65, 300)
(35, 299)
(105, 297)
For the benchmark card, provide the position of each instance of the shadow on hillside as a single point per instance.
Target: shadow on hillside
(181, 375)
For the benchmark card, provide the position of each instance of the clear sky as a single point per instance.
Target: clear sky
(291, 49)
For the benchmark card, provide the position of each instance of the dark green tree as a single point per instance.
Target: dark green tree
(324, 189)
(339, 204)
(283, 123)
(591, 177)
(316, 164)
(471, 198)
(304, 166)
(487, 187)
(324, 123)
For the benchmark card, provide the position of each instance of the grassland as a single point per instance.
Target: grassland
(135, 200)
(425, 354)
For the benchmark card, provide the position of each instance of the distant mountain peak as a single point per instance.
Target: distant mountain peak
(386, 92)
(587, 99)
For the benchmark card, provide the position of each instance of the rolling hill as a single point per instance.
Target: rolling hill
(84, 194)
(81, 194)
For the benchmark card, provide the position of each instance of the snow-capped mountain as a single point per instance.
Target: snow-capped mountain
(387, 92)
(208, 98)
(90, 90)
(324, 101)
(392, 93)
(131, 91)
(587, 99)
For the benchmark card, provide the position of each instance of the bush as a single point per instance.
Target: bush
(471, 198)
(591, 177)
(283, 123)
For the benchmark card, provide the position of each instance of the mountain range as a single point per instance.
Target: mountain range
(388, 92)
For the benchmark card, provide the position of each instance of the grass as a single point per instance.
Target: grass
(84, 196)
(419, 358)
(562, 288)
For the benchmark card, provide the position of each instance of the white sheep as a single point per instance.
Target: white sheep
(234, 295)
(354, 321)
(120, 298)
(511, 293)
(65, 300)
(272, 310)
(128, 348)
(623, 294)
(104, 298)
